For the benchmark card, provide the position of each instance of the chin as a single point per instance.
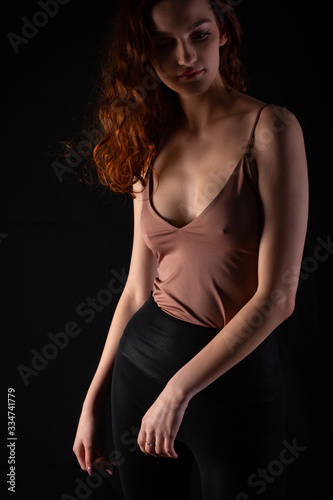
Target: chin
(194, 88)
(192, 93)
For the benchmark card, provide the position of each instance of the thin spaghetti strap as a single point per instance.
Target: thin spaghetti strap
(149, 182)
(250, 141)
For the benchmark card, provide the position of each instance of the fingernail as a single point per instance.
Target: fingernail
(89, 470)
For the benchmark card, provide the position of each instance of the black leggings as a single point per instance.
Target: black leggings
(234, 429)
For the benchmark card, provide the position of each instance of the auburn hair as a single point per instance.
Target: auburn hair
(136, 110)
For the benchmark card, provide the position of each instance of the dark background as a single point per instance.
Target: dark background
(61, 244)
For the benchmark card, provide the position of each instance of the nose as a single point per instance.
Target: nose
(186, 54)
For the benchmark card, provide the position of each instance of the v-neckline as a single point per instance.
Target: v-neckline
(214, 200)
(202, 213)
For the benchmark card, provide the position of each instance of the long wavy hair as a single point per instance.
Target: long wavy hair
(136, 110)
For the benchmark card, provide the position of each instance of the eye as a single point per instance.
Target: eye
(201, 36)
(196, 37)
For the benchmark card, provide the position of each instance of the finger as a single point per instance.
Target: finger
(103, 463)
(159, 447)
(142, 441)
(80, 455)
(150, 446)
(169, 447)
(106, 459)
(91, 454)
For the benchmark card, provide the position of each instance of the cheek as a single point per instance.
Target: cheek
(165, 68)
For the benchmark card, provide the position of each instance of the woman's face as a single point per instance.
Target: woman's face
(186, 40)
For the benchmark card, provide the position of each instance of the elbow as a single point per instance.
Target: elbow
(288, 307)
(137, 295)
(280, 304)
(285, 306)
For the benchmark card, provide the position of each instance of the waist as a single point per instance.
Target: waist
(160, 345)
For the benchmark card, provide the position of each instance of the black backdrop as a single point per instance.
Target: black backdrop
(65, 251)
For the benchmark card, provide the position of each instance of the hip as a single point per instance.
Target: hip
(159, 345)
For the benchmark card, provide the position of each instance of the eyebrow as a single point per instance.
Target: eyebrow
(190, 28)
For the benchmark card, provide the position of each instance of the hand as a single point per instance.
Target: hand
(85, 445)
(160, 425)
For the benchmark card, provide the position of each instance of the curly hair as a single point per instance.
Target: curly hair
(136, 109)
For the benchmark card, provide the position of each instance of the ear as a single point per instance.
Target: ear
(223, 39)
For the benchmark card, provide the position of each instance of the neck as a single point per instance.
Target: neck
(203, 109)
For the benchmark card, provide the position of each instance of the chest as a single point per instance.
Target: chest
(190, 177)
(231, 223)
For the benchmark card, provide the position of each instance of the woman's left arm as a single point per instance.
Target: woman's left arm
(283, 185)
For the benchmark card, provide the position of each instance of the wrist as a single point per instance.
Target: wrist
(175, 393)
(92, 404)
(96, 395)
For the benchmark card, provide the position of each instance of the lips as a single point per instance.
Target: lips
(190, 73)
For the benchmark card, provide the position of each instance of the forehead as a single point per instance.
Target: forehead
(171, 16)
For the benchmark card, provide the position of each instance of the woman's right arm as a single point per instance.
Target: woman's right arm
(139, 283)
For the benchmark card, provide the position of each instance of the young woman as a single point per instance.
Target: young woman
(219, 182)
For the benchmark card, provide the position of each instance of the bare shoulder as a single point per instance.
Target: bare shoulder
(274, 119)
(278, 137)
(278, 122)
(277, 129)
(279, 143)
